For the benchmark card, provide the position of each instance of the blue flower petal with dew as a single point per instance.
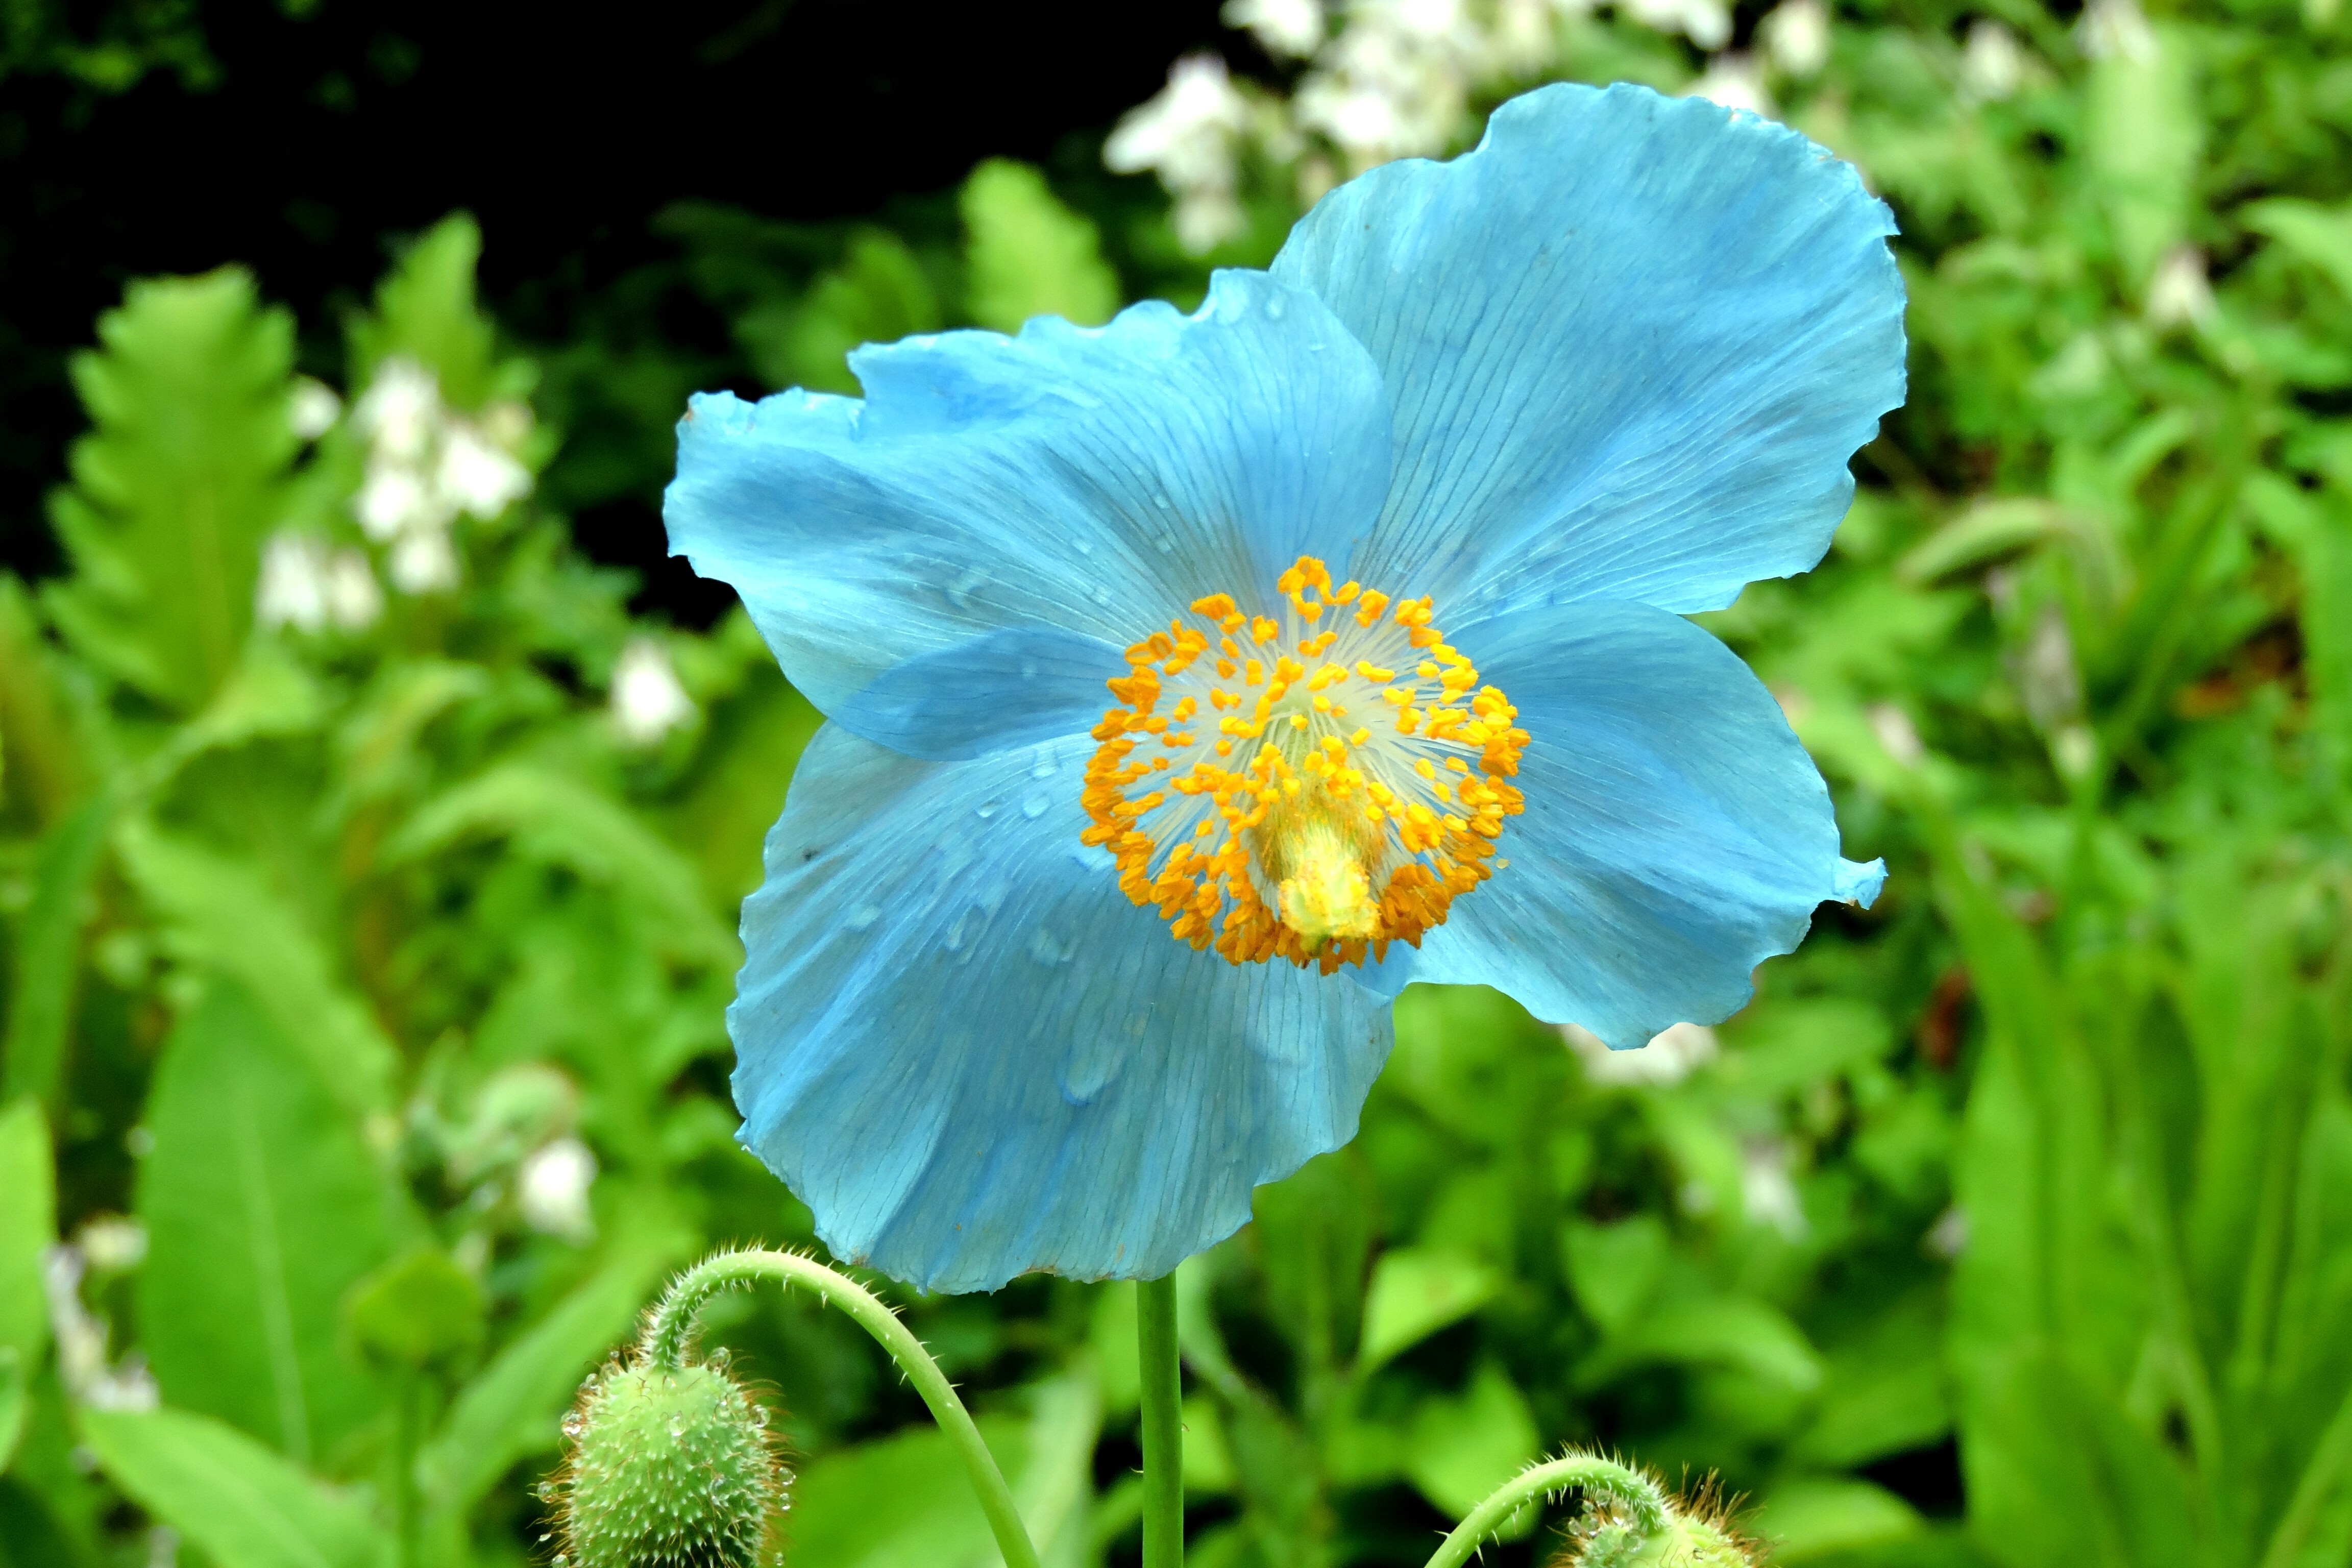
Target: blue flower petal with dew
(1600, 372)
(936, 565)
(973, 1056)
(1676, 836)
(1629, 344)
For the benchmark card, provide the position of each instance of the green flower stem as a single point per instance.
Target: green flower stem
(1164, 1424)
(665, 1345)
(1628, 1487)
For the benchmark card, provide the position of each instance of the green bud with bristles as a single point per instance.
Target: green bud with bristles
(668, 1467)
(1696, 1531)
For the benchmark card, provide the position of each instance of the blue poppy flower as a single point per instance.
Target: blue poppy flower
(1037, 982)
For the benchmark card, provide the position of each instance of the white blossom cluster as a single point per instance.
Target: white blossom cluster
(309, 585)
(1395, 79)
(427, 466)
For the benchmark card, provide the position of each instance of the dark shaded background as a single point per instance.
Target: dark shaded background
(314, 143)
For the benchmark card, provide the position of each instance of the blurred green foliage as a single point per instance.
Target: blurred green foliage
(370, 952)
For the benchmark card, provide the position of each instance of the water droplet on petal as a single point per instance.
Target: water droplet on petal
(987, 808)
(1033, 806)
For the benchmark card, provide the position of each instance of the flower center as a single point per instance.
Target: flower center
(1310, 786)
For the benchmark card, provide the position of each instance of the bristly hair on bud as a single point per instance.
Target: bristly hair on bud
(668, 1463)
(1699, 1531)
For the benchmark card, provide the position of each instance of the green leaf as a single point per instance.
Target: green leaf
(1416, 1291)
(1811, 1519)
(1027, 254)
(1464, 1447)
(1615, 1268)
(900, 1503)
(511, 1409)
(417, 1311)
(2142, 135)
(1732, 1331)
(425, 310)
(176, 489)
(222, 916)
(49, 952)
(243, 1505)
(46, 721)
(2319, 236)
(28, 1224)
(263, 1206)
(879, 293)
(550, 818)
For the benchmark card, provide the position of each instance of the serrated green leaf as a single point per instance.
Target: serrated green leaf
(1415, 1291)
(242, 1504)
(176, 489)
(1028, 255)
(878, 293)
(425, 310)
(263, 1206)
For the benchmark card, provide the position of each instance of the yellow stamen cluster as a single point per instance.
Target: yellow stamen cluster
(1311, 784)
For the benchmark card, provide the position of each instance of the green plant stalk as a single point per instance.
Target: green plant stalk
(1590, 1473)
(672, 1322)
(1163, 1422)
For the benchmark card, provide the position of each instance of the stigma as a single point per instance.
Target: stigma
(1309, 785)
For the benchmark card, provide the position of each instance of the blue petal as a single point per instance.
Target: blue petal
(973, 1057)
(1675, 833)
(1631, 340)
(1075, 486)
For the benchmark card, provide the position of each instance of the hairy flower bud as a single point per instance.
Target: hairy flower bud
(668, 1467)
(1696, 1532)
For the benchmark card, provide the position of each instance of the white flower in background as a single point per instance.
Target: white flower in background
(1396, 82)
(1188, 136)
(81, 1337)
(1767, 1192)
(1669, 1058)
(552, 1189)
(2115, 29)
(2179, 295)
(1706, 23)
(309, 586)
(428, 467)
(112, 1244)
(475, 476)
(1992, 65)
(401, 410)
(1733, 81)
(647, 700)
(423, 561)
(1897, 734)
(395, 499)
(1292, 28)
(313, 409)
(1949, 1236)
(1797, 37)
(353, 598)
